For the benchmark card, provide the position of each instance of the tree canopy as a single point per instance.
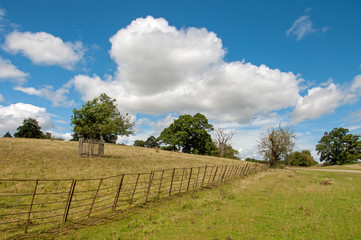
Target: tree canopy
(303, 159)
(100, 117)
(276, 144)
(151, 142)
(339, 147)
(7, 135)
(29, 129)
(189, 134)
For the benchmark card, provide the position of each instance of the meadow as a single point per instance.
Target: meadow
(46, 159)
(277, 204)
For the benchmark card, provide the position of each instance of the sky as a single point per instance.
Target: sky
(246, 65)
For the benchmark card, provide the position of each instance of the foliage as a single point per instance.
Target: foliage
(339, 147)
(29, 129)
(139, 143)
(108, 138)
(231, 153)
(303, 159)
(189, 134)
(101, 117)
(276, 144)
(151, 142)
(7, 135)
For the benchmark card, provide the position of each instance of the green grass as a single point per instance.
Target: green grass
(279, 204)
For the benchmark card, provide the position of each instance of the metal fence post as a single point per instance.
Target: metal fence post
(31, 206)
(95, 196)
(67, 208)
(118, 192)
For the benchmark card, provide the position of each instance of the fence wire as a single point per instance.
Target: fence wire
(28, 205)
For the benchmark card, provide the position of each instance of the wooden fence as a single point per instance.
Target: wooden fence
(34, 205)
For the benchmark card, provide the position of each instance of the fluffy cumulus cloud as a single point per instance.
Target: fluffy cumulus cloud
(44, 49)
(13, 115)
(163, 69)
(10, 72)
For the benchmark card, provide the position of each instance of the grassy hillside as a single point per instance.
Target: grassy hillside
(279, 204)
(32, 158)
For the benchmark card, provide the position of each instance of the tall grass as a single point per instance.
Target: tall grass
(31, 158)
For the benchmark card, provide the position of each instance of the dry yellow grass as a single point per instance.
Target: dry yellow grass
(33, 158)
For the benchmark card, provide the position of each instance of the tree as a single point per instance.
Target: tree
(151, 142)
(100, 117)
(222, 141)
(303, 159)
(139, 143)
(7, 135)
(229, 152)
(276, 144)
(339, 147)
(189, 134)
(29, 129)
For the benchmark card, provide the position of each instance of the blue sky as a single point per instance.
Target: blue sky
(246, 65)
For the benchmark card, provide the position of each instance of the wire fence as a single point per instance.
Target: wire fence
(29, 205)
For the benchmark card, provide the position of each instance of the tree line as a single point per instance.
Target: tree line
(100, 119)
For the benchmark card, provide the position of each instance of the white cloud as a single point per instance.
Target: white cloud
(9, 71)
(57, 97)
(301, 27)
(162, 69)
(44, 49)
(319, 101)
(12, 116)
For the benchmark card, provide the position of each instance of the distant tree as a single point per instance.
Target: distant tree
(100, 117)
(229, 152)
(151, 142)
(222, 141)
(339, 147)
(303, 159)
(189, 134)
(139, 143)
(29, 129)
(7, 135)
(108, 138)
(255, 160)
(276, 144)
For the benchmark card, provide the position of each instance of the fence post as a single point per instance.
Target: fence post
(31, 206)
(189, 180)
(204, 175)
(118, 192)
(224, 173)
(171, 183)
(160, 184)
(151, 175)
(210, 176)
(215, 173)
(180, 187)
(67, 208)
(135, 187)
(95, 196)
(196, 183)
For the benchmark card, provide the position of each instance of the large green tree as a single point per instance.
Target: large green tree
(29, 129)
(339, 147)
(276, 144)
(189, 134)
(100, 117)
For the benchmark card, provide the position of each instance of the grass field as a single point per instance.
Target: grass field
(31, 158)
(279, 204)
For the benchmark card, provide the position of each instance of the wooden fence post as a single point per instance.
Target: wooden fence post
(224, 173)
(210, 175)
(95, 196)
(196, 183)
(151, 175)
(189, 181)
(204, 175)
(118, 192)
(31, 206)
(215, 173)
(67, 208)
(171, 183)
(180, 187)
(135, 187)
(160, 184)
